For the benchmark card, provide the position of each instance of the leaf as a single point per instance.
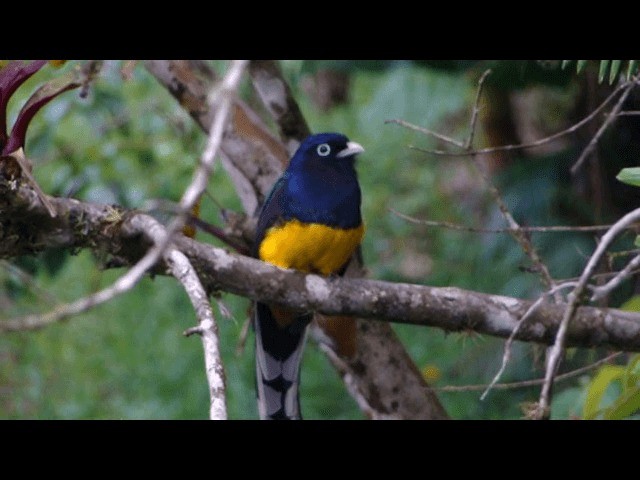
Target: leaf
(625, 405)
(615, 69)
(13, 75)
(580, 66)
(630, 176)
(39, 99)
(631, 378)
(597, 389)
(633, 304)
(604, 65)
(565, 63)
(631, 69)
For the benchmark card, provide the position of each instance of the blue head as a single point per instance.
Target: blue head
(326, 150)
(321, 184)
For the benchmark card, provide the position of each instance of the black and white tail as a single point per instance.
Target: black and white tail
(278, 357)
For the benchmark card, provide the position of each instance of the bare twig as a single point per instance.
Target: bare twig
(597, 276)
(476, 109)
(25, 277)
(604, 290)
(90, 71)
(507, 345)
(183, 271)
(455, 226)
(426, 131)
(242, 337)
(610, 118)
(536, 143)
(542, 409)
(529, 383)
(515, 229)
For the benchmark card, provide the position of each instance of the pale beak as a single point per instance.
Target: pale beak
(352, 149)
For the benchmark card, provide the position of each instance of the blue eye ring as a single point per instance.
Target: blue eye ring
(323, 149)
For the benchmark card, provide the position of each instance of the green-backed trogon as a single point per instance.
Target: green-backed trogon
(311, 221)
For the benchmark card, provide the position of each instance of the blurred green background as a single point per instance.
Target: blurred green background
(129, 142)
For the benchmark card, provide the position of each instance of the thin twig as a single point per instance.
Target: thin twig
(542, 409)
(242, 337)
(629, 113)
(536, 143)
(476, 110)
(610, 118)
(25, 277)
(604, 290)
(507, 346)
(516, 230)
(426, 131)
(596, 276)
(528, 383)
(464, 228)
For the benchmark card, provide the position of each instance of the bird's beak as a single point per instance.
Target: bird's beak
(352, 149)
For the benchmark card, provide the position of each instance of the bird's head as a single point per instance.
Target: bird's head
(326, 148)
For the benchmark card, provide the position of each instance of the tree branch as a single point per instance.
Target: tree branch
(276, 95)
(451, 309)
(207, 328)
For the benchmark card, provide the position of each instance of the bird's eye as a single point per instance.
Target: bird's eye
(324, 150)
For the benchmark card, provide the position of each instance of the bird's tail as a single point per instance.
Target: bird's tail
(280, 339)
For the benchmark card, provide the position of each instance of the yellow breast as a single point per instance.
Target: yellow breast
(310, 247)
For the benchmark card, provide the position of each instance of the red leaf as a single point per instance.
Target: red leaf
(39, 99)
(11, 77)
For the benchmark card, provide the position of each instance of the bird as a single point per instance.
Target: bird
(311, 221)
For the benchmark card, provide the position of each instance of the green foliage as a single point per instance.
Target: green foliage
(624, 381)
(613, 67)
(614, 392)
(630, 176)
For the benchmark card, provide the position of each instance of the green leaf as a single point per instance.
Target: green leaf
(632, 68)
(615, 69)
(597, 389)
(636, 242)
(625, 405)
(633, 304)
(630, 176)
(580, 66)
(565, 63)
(604, 66)
(631, 377)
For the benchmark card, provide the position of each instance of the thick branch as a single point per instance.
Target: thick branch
(275, 93)
(251, 155)
(451, 309)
